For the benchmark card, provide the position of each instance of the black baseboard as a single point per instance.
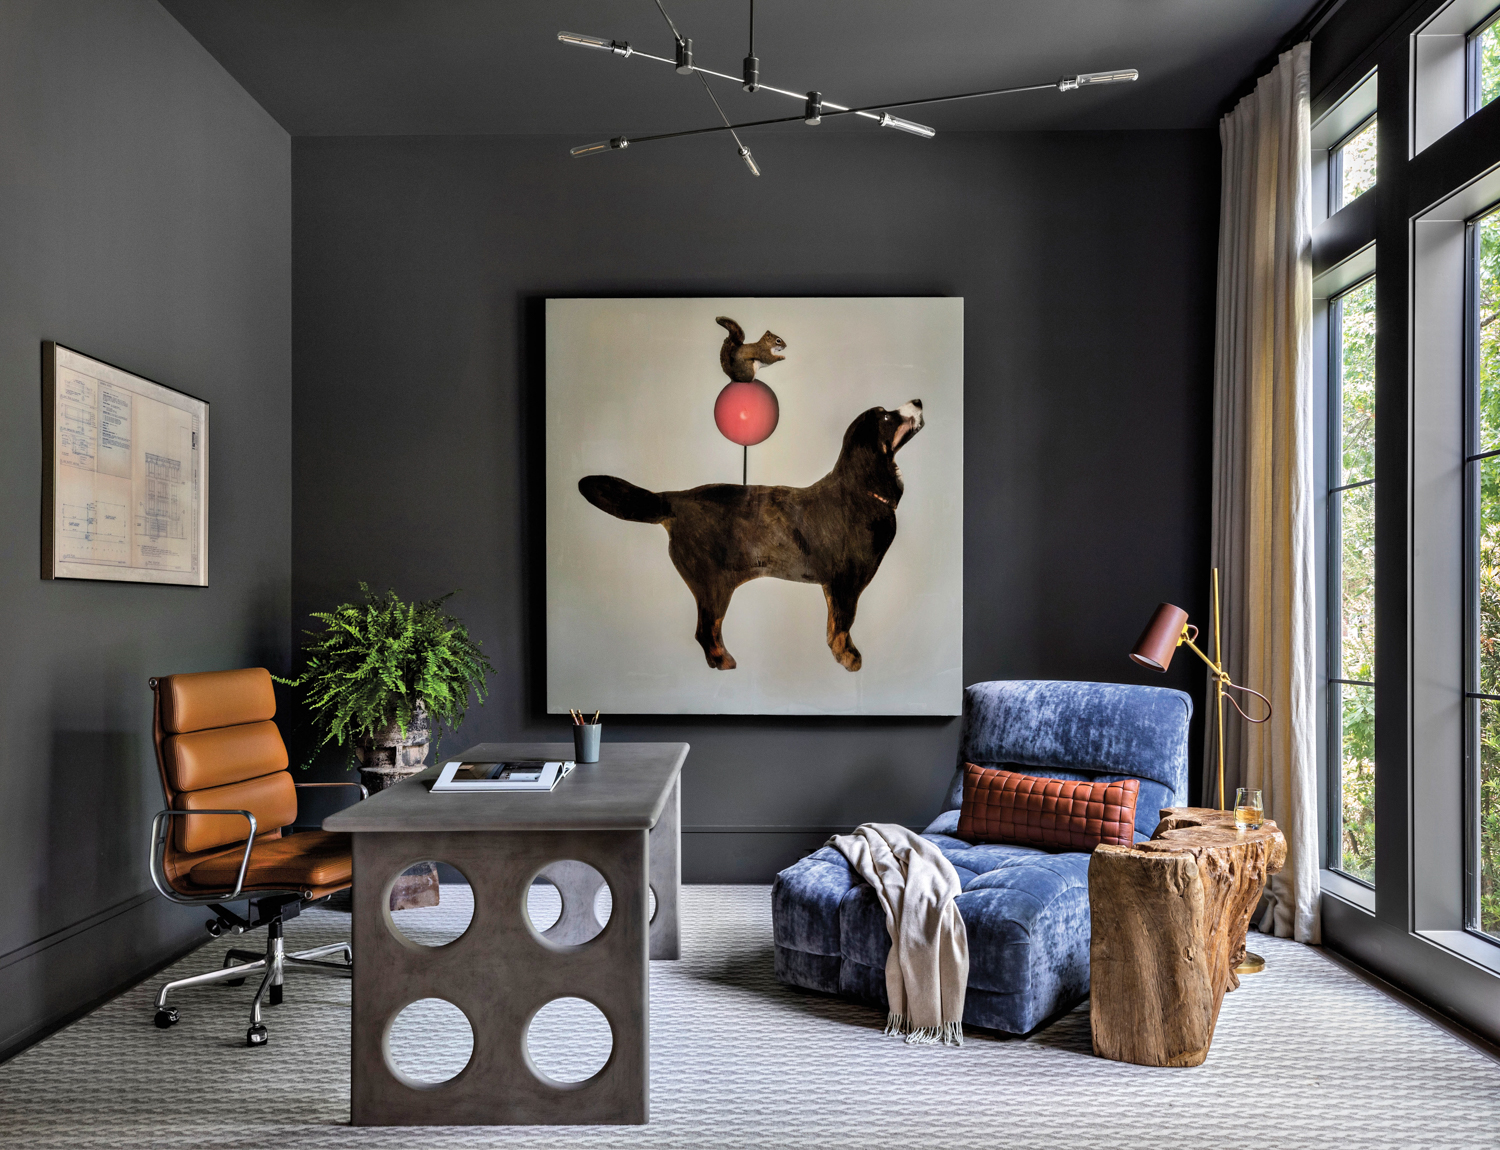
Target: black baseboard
(738, 855)
(57, 979)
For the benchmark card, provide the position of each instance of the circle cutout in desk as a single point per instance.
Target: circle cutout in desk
(429, 1042)
(543, 905)
(604, 905)
(569, 1040)
(562, 902)
(425, 912)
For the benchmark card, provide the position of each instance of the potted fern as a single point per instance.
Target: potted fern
(381, 674)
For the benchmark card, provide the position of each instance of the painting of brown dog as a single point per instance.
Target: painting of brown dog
(833, 533)
(749, 545)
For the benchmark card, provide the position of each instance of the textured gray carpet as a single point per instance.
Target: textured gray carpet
(1305, 1056)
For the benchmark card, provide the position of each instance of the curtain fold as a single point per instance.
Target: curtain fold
(1262, 534)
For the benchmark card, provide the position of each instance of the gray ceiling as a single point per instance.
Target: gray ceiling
(483, 67)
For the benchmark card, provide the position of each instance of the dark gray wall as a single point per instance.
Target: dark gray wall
(145, 218)
(1086, 261)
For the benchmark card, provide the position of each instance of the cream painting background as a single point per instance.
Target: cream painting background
(631, 385)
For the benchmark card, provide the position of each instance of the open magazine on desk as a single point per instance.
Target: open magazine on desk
(511, 775)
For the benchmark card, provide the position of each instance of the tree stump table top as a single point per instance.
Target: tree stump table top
(1169, 921)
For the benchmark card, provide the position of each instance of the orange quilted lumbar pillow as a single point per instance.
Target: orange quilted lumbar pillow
(1007, 807)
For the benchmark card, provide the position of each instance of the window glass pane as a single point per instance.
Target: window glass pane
(1356, 715)
(1486, 66)
(1488, 576)
(1489, 817)
(1357, 164)
(1351, 548)
(1357, 583)
(1489, 332)
(1357, 374)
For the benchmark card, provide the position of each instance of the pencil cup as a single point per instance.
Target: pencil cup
(586, 742)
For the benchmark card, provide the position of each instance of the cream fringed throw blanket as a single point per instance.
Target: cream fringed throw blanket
(928, 965)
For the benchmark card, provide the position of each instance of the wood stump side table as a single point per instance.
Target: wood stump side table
(1169, 920)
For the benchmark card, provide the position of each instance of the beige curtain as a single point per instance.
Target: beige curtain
(1262, 536)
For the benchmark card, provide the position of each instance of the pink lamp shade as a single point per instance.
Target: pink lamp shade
(1157, 642)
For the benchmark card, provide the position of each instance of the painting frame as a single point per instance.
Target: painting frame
(630, 393)
(125, 473)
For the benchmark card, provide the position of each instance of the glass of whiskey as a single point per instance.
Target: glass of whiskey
(1248, 810)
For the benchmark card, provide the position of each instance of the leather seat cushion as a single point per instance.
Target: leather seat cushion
(308, 859)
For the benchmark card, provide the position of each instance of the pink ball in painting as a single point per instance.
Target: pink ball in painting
(747, 413)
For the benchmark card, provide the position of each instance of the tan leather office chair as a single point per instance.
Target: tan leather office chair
(229, 794)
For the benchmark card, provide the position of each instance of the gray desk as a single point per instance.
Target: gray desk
(622, 816)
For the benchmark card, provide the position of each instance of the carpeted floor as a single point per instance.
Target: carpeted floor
(1305, 1056)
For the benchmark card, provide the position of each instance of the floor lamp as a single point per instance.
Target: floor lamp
(1169, 629)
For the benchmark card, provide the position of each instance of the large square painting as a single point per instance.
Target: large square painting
(755, 506)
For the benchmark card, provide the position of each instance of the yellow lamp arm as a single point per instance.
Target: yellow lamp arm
(1224, 681)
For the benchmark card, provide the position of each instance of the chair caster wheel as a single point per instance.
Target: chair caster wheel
(274, 998)
(233, 981)
(255, 1036)
(166, 1017)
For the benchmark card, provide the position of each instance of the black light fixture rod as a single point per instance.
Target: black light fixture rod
(961, 96)
(728, 127)
(826, 112)
(744, 152)
(676, 35)
(715, 128)
(800, 97)
(831, 108)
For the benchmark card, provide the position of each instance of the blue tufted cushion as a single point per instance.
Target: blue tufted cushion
(1026, 915)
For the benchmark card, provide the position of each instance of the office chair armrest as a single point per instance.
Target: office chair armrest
(158, 850)
(364, 794)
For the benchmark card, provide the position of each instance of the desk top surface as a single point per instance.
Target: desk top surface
(626, 789)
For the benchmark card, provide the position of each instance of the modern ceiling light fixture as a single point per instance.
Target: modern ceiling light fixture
(815, 107)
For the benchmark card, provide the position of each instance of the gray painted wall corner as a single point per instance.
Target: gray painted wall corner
(146, 220)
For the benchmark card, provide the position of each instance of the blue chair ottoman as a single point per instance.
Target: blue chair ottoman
(1026, 910)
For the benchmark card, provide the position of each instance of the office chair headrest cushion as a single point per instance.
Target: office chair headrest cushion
(216, 699)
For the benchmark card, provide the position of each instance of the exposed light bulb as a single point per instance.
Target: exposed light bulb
(618, 143)
(1087, 79)
(889, 121)
(619, 47)
(749, 160)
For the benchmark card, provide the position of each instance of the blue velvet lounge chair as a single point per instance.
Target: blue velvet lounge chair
(1026, 910)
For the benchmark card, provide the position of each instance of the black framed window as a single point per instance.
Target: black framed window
(1351, 580)
(1482, 543)
(1351, 165)
(1484, 63)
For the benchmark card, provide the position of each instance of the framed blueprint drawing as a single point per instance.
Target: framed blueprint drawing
(124, 475)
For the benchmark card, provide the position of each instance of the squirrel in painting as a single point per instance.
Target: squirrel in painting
(739, 359)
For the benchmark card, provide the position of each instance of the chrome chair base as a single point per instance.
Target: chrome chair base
(273, 966)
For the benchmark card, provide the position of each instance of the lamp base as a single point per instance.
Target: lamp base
(1252, 963)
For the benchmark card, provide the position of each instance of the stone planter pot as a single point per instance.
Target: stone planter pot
(388, 758)
(393, 755)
